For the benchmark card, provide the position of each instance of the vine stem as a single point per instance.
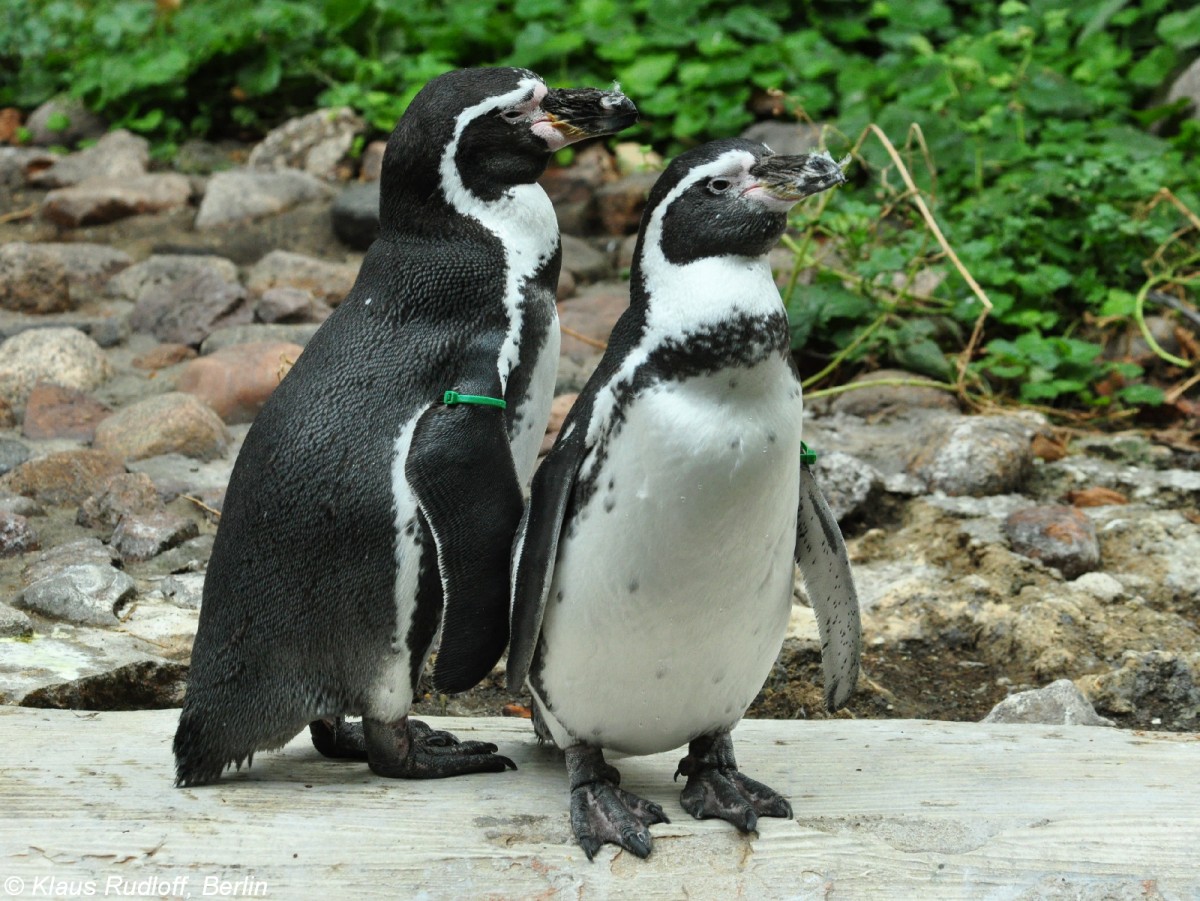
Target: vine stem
(844, 352)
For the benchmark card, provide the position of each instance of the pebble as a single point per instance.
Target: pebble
(16, 535)
(1058, 704)
(283, 269)
(1101, 586)
(236, 381)
(619, 204)
(63, 356)
(316, 143)
(81, 593)
(80, 122)
(126, 494)
(172, 423)
(140, 536)
(119, 155)
(89, 551)
(1058, 536)
(14, 623)
(583, 261)
(184, 589)
(371, 163)
(241, 194)
(64, 478)
(234, 335)
(978, 456)
(21, 505)
(32, 280)
(290, 305)
(848, 483)
(52, 411)
(166, 269)
(355, 214)
(89, 267)
(189, 310)
(99, 200)
(12, 454)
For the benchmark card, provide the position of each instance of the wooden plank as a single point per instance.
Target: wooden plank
(884, 809)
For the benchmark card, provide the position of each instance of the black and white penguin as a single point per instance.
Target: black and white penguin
(378, 491)
(654, 567)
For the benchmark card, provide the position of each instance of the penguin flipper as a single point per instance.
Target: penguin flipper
(535, 551)
(821, 555)
(461, 471)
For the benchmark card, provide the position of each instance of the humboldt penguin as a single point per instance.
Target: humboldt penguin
(377, 493)
(654, 566)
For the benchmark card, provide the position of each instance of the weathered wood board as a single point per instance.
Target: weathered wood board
(884, 809)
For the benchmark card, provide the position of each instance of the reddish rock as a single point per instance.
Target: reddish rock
(323, 279)
(99, 200)
(1061, 537)
(620, 204)
(592, 314)
(237, 381)
(32, 280)
(65, 478)
(372, 161)
(174, 423)
(572, 189)
(1096, 496)
(164, 355)
(53, 411)
(126, 494)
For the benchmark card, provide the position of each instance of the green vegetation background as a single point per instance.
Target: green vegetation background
(1056, 174)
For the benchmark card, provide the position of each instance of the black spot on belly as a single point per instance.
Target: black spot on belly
(609, 503)
(634, 585)
(733, 383)
(558, 596)
(770, 437)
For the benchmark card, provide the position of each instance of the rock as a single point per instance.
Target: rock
(559, 409)
(85, 551)
(891, 398)
(1061, 537)
(1129, 448)
(14, 623)
(620, 203)
(188, 561)
(1058, 704)
(572, 189)
(1101, 586)
(1095, 497)
(16, 535)
(242, 194)
(12, 454)
(7, 418)
(566, 286)
(141, 536)
(848, 483)
(315, 143)
(52, 411)
(167, 423)
(290, 305)
(21, 505)
(175, 474)
(978, 456)
(32, 280)
(371, 165)
(630, 157)
(163, 356)
(236, 381)
(325, 280)
(62, 356)
(1159, 680)
(355, 214)
(785, 138)
(126, 494)
(167, 269)
(592, 313)
(583, 260)
(145, 685)
(184, 590)
(99, 200)
(235, 335)
(63, 478)
(72, 120)
(89, 267)
(1187, 87)
(189, 310)
(118, 155)
(81, 593)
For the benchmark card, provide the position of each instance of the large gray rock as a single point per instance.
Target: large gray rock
(162, 270)
(118, 155)
(14, 623)
(140, 536)
(88, 266)
(84, 551)
(108, 198)
(81, 593)
(872, 400)
(144, 685)
(978, 456)
(62, 356)
(283, 269)
(231, 336)
(1058, 704)
(17, 162)
(189, 310)
(12, 454)
(316, 143)
(242, 194)
(847, 482)
(584, 261)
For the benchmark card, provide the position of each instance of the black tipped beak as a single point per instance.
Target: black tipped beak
(792, 178)
(578, 113)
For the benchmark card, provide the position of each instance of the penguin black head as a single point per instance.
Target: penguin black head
(730, 198)
(484, 131)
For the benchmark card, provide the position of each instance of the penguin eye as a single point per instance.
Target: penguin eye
(512, 115)
(718, 185)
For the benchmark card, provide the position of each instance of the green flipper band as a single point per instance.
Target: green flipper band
(808, 457)
(453, 397)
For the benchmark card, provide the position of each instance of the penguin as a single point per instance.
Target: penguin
(378, 491)
(654, 565)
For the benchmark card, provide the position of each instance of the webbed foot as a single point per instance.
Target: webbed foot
(715, 788)
(601, 811)
(409, 749)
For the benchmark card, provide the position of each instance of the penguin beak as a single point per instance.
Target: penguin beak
(578, 113)
(792, 178)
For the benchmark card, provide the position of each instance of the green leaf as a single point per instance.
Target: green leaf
(263, 75)
(647, 72)
(922, 355)
(1182, 29)
(1141, 395)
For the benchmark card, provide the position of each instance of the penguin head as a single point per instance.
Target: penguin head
(730, 197)
(484, 131)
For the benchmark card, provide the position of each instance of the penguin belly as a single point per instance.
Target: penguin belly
(673, 585)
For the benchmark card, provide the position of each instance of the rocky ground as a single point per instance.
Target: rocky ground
(147, 313)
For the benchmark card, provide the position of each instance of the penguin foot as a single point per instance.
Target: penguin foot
(715, 788)
(338, 739)
(601, 812)
(410, 749)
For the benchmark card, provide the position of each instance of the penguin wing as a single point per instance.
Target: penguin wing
(821, 554)
(461, 471)
(536, 549)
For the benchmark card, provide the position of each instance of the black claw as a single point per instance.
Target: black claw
(601, 812)
(411, 750)
(715, 788)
